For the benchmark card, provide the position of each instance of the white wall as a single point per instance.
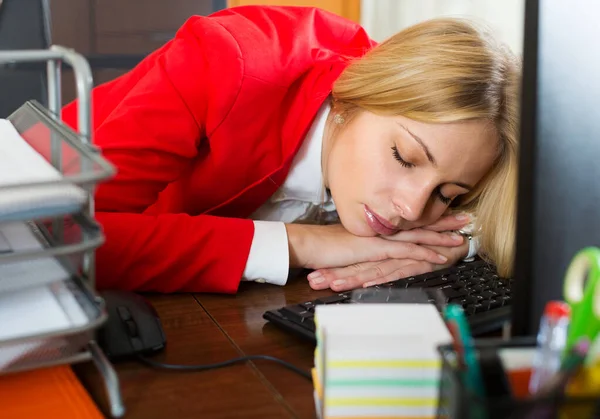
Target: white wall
(382, 18)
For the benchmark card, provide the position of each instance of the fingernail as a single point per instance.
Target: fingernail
(316, 280)
(461, 217)
(442, 258)
(314, 274)
(369, 284)
(339, 282)
(456, 237)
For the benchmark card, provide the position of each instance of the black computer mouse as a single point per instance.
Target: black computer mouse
(132, 328)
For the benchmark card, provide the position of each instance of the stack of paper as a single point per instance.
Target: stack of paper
(35, 299)
(21, 165)
(16, 237)
(36, 311)
(378, 360)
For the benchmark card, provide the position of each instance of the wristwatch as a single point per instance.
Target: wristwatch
(473, 246)
(467, 233)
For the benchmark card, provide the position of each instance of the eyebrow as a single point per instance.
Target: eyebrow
(430, 156)
(421, 143)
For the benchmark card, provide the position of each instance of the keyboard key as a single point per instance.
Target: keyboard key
(309, 324)
(296, 313)
(334, 299)
(309, 306)
(436, 282)
(453, 278)
(469, 299)
(459, 284)
(429, 275)
(480, 308)
(452, 294)
(495, 304)
(413, 280)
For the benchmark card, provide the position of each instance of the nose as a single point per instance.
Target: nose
(411, 203)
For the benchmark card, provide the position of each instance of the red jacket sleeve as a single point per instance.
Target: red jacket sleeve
(173, 252)
(150, 124)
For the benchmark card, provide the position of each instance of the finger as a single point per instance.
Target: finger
(389, 270)
(322, 278)
(373, 272)
(402, 250)
(454, 254)
(432, 238)
(411, 269)
(450, 222)
(331, 274)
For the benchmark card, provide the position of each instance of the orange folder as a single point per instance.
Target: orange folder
(47, 393)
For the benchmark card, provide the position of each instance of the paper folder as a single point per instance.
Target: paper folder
(47, 393)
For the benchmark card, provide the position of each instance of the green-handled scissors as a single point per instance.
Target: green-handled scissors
(582, 293)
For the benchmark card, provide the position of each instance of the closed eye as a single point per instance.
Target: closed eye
(438, 192)
(399, 158)
(442, 197)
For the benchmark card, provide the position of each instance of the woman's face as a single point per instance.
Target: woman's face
(390, 173)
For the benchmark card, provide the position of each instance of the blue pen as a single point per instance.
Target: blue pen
(455, 316)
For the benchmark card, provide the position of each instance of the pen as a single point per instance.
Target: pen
(455, 317)
(551, 341)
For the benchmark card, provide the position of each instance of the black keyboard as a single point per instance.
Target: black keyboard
(476, 286)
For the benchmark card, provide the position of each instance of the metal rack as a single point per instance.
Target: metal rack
(69, 238)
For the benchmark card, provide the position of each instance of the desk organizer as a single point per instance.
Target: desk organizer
(71, 239)
(456, 401)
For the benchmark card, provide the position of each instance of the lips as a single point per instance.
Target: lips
(379, 224)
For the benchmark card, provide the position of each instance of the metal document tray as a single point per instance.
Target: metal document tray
(64, 345)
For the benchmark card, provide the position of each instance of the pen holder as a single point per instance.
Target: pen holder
(508, 386)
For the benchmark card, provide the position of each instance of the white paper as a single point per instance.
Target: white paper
(421, 321)
(17, 236)
(21, 164)
(35, 311)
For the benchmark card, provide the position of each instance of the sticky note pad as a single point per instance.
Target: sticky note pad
(378, 360)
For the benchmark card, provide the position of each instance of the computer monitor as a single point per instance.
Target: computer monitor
(559, 178)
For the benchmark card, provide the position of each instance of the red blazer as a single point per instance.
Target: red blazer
(203, 132)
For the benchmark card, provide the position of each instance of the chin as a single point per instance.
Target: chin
(357, 226)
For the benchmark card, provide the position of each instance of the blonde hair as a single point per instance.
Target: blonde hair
(449, 70)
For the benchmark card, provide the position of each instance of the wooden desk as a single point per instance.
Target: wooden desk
(204, 329)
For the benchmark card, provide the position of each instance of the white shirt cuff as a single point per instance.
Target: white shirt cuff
(269, 257)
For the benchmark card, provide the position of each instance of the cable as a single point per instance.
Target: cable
(179, 367)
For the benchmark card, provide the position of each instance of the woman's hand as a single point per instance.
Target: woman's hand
(367, 274)
(376, 272)
(331, 246)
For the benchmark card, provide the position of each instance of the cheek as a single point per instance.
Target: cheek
(361, 169)
(348, 164)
